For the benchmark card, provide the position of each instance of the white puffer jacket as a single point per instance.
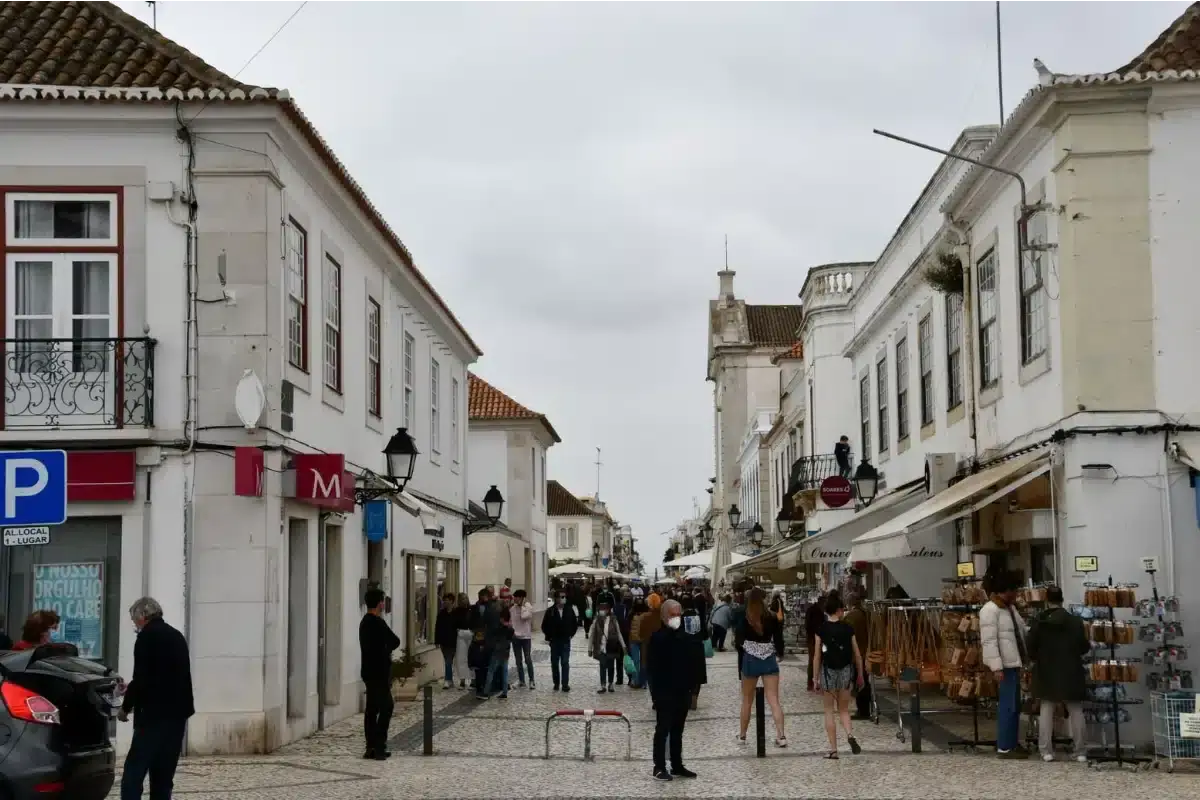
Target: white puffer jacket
(999, 636)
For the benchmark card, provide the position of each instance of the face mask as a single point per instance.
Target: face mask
(562, 601)
(602, 613)
(674, 622)
(56, 635)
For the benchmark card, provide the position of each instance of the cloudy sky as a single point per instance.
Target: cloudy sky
(565, 173)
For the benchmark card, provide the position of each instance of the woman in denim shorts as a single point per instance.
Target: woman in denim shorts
(755, 636)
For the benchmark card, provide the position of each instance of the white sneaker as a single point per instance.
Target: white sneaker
(1047, 758)
(1081, 759)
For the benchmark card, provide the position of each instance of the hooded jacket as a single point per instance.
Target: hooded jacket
(1057, 644)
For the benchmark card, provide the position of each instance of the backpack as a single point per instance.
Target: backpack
(836, 653)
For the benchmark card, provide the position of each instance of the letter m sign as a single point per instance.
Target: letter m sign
(319, 478)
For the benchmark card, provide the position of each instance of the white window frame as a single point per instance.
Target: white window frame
(454, 443)
(10, 215)
(925, 367)
(61, 303)
(864, 413)
(435, 422)
(988, 324)
(881, 390)
(954, 347)
(409, 375)
(572, 537)
(902, 419)
(374, 358)
(297, 350)
(1032, 289)
(331, 320)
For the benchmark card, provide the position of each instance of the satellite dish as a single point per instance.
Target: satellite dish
(250, 399)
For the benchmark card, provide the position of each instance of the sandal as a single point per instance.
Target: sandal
(833, 756)
(781, 741)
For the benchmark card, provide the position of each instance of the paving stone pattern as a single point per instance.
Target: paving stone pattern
(495, 749)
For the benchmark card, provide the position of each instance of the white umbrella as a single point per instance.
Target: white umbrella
(704, 559)
(579, 569)
(696, 572)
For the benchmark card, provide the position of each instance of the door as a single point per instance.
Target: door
(61, 359)
(331, 623)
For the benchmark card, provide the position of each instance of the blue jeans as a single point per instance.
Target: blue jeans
(498, 669)
(560, 662)
(635, 652)
(1008, 710)
(448, 661)
(523, 649)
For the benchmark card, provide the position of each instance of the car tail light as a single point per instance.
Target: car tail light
(28, 706)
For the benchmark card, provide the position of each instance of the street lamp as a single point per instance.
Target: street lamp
(595, 554)
(756, 534)
(401, 454)
(783, 523)
(706, 534)
(866, 482)
(493, 504)
(735, 516)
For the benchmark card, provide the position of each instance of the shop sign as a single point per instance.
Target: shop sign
(35, 487)
(966, 569)
(76, 593)
(16, 537)
(438, 537)
(375, 520)
(1189, 726)
(1149, 564)
(322, 480)
(836, 491)
(1087, 564)
(100, 477)
(249, 469)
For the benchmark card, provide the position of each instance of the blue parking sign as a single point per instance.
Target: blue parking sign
(33, 487)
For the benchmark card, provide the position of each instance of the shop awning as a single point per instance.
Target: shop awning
(703, 559)
(890, 540)
(834, 545)
(429, 517)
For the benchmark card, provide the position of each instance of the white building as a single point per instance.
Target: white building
(742, 343)
(160, 245)
(1057, 378)
(578, 532)
(506, 445)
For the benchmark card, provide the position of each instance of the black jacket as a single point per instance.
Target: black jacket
(1056, 644)
(462, 618)
(559, 622)
(161, 688)
(376, 643)
(673, 666)
(445, 633)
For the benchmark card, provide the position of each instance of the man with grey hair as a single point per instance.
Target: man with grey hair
(160, 698)
(674, 673)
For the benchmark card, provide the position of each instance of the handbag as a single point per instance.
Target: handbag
(630, 669)
(708, 648)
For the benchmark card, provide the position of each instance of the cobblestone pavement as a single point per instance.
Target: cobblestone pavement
(495, 749)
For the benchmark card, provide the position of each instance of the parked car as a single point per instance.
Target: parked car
(56, 725)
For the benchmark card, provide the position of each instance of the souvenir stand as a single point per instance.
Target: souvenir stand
(903, 647)
(1107, 673)
(1172, 691)
(967, 681)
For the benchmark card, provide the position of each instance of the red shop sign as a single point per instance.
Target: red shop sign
(836, 491)
(249, 470)
(322, 480)
(101, 476)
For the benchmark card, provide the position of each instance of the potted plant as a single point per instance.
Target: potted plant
(404, 672)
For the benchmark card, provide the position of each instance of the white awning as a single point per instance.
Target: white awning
(429, 517)
(890, 540)
(704, 558)
(834, 545)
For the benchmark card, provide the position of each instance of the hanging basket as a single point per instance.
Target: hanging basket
(945, 274)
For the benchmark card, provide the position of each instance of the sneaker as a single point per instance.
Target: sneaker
(1081, 759)
(1047, 758)
(381, 755)
(520, 685)
(662, 775)
(740, 739)
(462, 684)
(1012, 755)
(448, 685)
(531, 686)
(566, 689)
(682, 772)
(504, 696)
(610, 688)
(479, 696)
(603, 690)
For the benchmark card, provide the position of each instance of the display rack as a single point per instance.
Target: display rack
(1107, 677)
(966, 677)
(1172, 690)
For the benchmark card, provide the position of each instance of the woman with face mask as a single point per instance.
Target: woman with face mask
(606, 645)
(673, 675)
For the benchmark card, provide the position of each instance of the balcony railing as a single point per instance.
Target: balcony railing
(78, 383)
(809, 471)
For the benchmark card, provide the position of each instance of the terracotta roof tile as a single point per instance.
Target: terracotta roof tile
(561, 503)
(796, 351)
(1177, 48)
(486, 402)
(773, 324)
(96, 44)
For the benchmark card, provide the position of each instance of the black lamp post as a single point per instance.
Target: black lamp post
(595, 554)
(756, 534)
(783, 523)
(866, 482)
(706, 534)
(493, 504)
(735, 516)
(400, 454)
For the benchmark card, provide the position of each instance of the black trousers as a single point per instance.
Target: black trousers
(155, 752)
(378, 714)
(670, 717)
(718, 637)
(863, 698)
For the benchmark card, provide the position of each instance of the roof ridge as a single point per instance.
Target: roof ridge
(471, 376)
(1181, 24)
(196, 66)
(572, 506)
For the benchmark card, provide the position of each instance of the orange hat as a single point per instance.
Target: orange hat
(654, 601)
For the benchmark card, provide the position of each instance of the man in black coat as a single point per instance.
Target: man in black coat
(673, 676)
(559, 625)
(1057, 643)
(377, 642)
(160, 698)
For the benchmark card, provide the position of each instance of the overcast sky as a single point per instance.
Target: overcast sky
(565, 173)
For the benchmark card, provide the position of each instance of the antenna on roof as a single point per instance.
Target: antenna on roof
(153, 13)
(598, 465)
(999, 65)
(727, 251)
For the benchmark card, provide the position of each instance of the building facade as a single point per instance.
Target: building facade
(577, 534)
(507, 442)
(206, 311)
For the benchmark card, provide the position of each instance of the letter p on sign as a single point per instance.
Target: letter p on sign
(35, 487)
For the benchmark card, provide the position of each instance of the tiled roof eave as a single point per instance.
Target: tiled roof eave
(25, 93)
(1024, 111)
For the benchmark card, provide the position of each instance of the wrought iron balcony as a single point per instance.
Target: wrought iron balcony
(809, 471)
(78, 383)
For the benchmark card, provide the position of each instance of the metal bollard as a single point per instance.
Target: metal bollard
(428, 688)
(914, 711)
(760, 721)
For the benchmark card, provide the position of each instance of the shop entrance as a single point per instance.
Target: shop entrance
(78, 575)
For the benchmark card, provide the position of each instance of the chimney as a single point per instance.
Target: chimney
(726, 276)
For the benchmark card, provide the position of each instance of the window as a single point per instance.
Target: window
(410, 347)
(925, 364)
(374, 359)
(954, 337)
(568, 537)
(1033, 292)
(62, 220)
(881, 392)
(864, 414)
(435, 389)
(454, 419)
(333, 324)
(427, 579)
(989, 335)
(542, 480)
(902, 388)
(296, 253)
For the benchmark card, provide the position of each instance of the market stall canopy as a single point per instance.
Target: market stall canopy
(579, 569)
(890, 540)
(696, 572)
(704, 559)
